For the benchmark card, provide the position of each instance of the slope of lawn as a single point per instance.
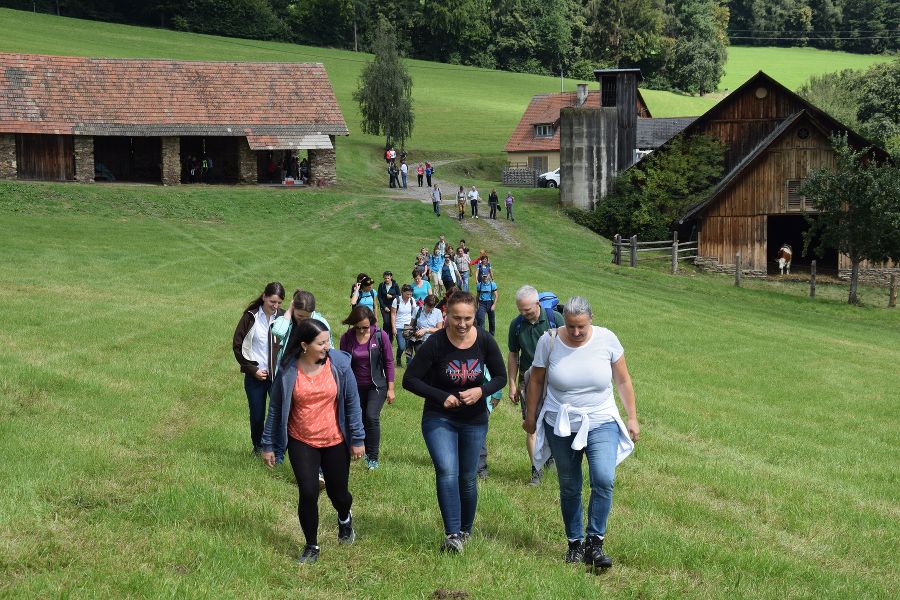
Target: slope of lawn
(767, 467)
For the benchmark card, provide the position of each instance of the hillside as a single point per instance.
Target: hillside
(766, 468)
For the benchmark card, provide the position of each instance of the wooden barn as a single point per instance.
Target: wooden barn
(161, 121)
(773, 139)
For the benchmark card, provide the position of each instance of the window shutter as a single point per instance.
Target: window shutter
(794, 199)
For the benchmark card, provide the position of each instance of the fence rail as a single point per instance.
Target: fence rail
(668, 249)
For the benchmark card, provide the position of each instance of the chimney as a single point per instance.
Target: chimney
(581, 95)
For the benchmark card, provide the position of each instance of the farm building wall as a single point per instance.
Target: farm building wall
(736, 221)
(8, 168)
(83, 150)
(46, 157)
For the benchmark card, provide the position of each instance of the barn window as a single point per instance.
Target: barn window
(796, 202)
(543, 130)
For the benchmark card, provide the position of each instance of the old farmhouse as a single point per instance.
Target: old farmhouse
(773, 140)
(72, 118)
(535, 142)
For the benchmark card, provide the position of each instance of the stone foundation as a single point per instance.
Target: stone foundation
(8, 168)
(171, 160)
(880, 277)
(711, 264)
(84, 158)
(322, 166)
(246, 163)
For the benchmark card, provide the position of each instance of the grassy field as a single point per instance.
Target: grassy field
(767, 466)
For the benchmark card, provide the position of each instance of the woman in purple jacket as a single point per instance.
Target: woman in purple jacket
(372, 360)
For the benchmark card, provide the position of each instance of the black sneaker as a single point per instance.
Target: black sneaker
(575, 553)
(536, 476)
(594, 555)
(452, 544)
(465, 536)
(309, 555)
(346, 534)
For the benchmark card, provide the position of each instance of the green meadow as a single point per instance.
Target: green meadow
(767, 465)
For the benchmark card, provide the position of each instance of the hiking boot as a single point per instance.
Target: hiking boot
(483, 474)
(575, 553)
(536, 476)
(372, 464)
(465, 536)
(594, 555)
(550, 463)
(346, 534)
(452, 544)
(309, 555)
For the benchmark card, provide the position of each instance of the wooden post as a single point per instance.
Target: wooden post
(812, 279)
(892, 298)
(675, 252)
(634, 251)
(617, 249)
(737, 269)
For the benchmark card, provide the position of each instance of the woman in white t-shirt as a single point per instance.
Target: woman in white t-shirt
(402, 311)
(579, 417)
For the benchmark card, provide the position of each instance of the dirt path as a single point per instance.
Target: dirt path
(500, 227)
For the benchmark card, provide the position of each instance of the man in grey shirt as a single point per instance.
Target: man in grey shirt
(436, 199)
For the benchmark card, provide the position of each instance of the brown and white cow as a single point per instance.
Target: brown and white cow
(784, 258)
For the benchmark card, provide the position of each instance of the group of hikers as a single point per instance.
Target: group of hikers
(398, 174)
(473, 197)
(325, 401)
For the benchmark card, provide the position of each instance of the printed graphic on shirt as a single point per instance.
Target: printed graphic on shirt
(462, 372)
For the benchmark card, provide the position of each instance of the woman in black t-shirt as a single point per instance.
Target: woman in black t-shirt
(448, 372)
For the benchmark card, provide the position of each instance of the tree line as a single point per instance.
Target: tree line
(678, 44)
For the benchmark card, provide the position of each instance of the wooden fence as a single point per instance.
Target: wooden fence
(672, 250)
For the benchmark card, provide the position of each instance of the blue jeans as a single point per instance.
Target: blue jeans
(256, 400)
(454, 448)
(465, 280)
(484, 309)
(401, 346)
(601, 455)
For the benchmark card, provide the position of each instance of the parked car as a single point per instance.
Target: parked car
(549, 179)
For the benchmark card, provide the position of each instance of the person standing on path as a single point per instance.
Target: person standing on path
(493, 201)
(420, 171)
(509, 206)
(461, 258)
(429, 171)
(461, 203)
(404, 171)
(524, 333)
(473, 201)
(435, 198)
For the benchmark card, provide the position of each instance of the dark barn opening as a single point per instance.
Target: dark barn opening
(789, 229)
(221, 152)
(269, 165)
(136, 159)
(45, 157)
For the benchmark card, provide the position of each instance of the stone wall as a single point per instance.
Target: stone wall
(246, 162)
(322, 166)
(84, 158)
(8, 169)
(171, 160)
(880, 277)
(520, 176)
(711, 264)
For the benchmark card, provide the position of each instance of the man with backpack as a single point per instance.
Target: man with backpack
(537, 314)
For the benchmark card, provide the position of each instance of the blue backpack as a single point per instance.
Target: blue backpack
(549, 302)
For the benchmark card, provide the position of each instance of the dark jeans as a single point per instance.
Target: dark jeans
(385, 321)
(420, 180)
(509, 212)
(437, 207)
(474, 205)
(256, 400)
(428, 177)
(493, 210)
(454, 448)
(335, 464)
(371, 401)
(484, 308)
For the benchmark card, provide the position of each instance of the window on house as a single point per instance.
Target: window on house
(543, 130)
(539, 163)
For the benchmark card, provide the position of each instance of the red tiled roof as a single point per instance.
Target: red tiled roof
(100, 96)
(544, 108)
